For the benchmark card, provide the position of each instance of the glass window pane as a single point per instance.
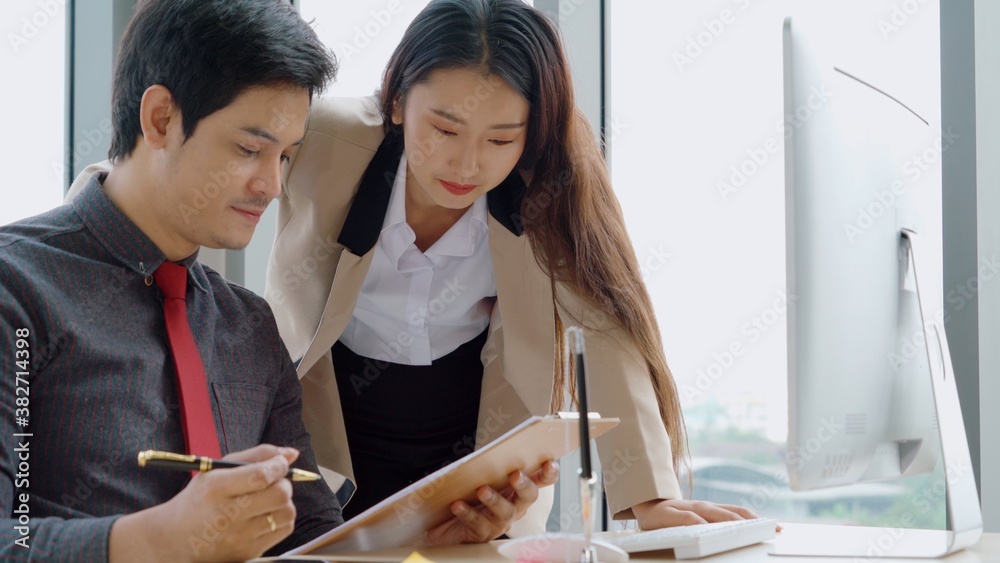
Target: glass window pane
(362, 35)
(33, 58)
(695, 100)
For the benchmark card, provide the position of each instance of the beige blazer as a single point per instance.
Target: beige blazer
(329, 220)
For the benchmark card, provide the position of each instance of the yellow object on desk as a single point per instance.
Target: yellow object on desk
(417, 558)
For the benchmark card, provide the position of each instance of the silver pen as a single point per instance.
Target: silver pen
(588, 482)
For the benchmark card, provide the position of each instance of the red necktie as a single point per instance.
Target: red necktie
(196, 410)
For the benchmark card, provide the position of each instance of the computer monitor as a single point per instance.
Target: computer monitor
(871, 388)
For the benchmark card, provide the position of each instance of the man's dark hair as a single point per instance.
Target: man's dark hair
(207, 53)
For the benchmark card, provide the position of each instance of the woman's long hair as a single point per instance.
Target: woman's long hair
(570, 213)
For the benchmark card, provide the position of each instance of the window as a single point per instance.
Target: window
(362, 35)
(33, 58)
(695, 96)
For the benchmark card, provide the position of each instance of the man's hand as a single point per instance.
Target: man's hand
(222, 515)
(666, 513)
(474, 524)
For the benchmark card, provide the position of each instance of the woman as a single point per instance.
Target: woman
(432, 245)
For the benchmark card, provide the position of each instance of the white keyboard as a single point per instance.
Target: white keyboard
(690, 542)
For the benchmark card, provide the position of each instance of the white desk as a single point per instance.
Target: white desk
(987, 550)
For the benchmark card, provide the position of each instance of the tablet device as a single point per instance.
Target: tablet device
(401, 519)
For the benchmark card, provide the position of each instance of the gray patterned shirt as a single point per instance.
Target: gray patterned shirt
(98, 383)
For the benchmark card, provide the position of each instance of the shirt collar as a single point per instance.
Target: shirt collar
(463, 237)
(395, 214)
(121, 237)
(397, 237)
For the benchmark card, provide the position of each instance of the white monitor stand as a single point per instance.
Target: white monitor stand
(964, 515)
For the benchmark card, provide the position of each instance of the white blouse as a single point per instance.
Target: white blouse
(414, 306)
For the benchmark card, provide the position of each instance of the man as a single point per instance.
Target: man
(119, 341)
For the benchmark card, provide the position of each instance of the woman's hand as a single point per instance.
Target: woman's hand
(665, 513)
(475, 524)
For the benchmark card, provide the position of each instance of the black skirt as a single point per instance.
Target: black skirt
(404, 422)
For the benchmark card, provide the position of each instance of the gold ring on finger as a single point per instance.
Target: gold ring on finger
(271, 522)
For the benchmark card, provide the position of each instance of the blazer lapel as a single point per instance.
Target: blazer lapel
(504, 202)
(364, 221)
(524, 296)
(358, 236)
